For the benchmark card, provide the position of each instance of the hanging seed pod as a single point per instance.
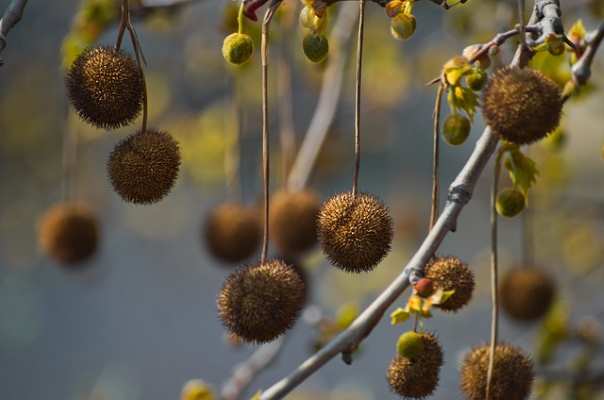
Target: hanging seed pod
(144, 167)
(355, 232)
(522, 105)
(261, 302)
(456, 129)
(510, 202)
(316, 47)
(69, 233)
(232, 232)
(417, 377)
(237, 48)
(527, 293)
(106, 87)
(450, 273)
(512, 374)
(293, 221)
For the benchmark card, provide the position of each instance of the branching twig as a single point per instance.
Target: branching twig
(11, 17)
(582, 69)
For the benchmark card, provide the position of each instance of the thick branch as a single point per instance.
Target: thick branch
(11, 17)
(582, 68)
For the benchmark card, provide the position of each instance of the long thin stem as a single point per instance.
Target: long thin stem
(357, 99)
(123, 24)
(268, 16)
(436, 155)
(521, 18)
(139, 62)
(494, 275)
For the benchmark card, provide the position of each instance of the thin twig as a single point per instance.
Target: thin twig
(357, 99)
(494, 274)
(139, 62)
(521, 18)
(436, 155)
(123, 24)
(11, 17)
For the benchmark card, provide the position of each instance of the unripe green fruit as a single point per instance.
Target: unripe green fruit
(476, 79)
(402, 26)
(315, 47)
(457, 129)
(310, 20)
(237, 48)
(510, 202)
(410, 345)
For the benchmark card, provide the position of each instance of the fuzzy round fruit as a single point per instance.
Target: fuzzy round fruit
(144, 166)
(522, 105)
(315, 47)
(510, 202)
(293, 221)
(450, 273)
(232, 232)
(402, 26)
(261, 302)
(527, 293)
(476, 79)
(417, 377)
(456, 129)
(355, 231)
(237, 48)
(106, 87)
(69, 233)
(512, 374)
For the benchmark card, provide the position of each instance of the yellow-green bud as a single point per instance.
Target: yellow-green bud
(555, 46)
(410, 345)
(510, 202)
(476, 79)
(237, 48)
(315, 47)
(310, 20)
(196, 389)
(457, 129)
(402, 26)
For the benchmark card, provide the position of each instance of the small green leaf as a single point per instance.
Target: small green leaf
(399, 316)
(523, 171)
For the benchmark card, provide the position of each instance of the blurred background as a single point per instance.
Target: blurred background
(139, 320)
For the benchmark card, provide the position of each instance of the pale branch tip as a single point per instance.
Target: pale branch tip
(581, 70)
(11, 17)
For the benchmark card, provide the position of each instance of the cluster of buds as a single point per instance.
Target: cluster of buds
(402, 21)
(313, 19)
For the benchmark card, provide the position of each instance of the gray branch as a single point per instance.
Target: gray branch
(582, 68)
(11, 17)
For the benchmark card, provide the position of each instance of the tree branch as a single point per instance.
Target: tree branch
(11, 17)
(582, 69)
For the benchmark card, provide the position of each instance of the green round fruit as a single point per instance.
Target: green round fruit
(402, 26)
(315, 47)
(410, 345)
(510, 202)
(476, 79)
(237, 48)
(457, 129)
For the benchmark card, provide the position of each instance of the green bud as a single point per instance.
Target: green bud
(402, 26)
(510, 202)
(457, 129)
(237, 48)
(476, 79)
(310, 20)
(410, 345)
(315, 47)
(555, 47)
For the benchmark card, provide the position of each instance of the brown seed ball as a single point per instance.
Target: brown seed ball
(450, 273)
(417, 378)
(527, 293)
(293, 221)
(106, 87)
(69, 233)
(232, 232)
(261, 302)
(512, 374)
(355, 231)
(522, 105)
(144, 166)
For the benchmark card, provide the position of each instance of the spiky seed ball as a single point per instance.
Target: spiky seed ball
(237, 48)
(315, 46)
(522, 105)
(527, 293)
(456, 129)
(450, 273)
(417, 377)
(355, 231)
(293, 221)
(106, 87)
(144, 166)
(261, 302)
(232, 232)
(512, 374)
(510, 202)
(402, 26)
(69, 233)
